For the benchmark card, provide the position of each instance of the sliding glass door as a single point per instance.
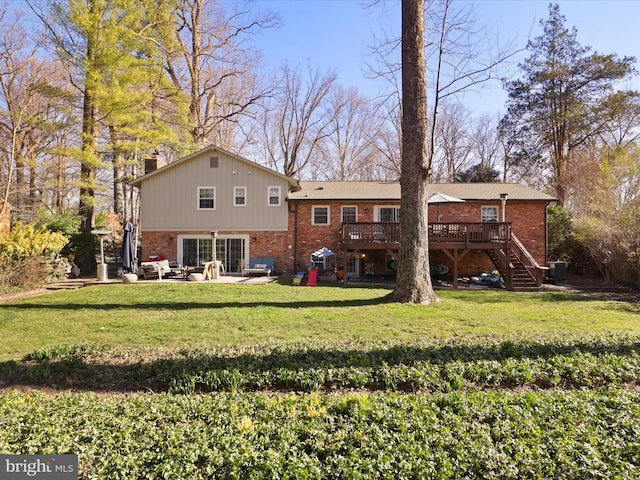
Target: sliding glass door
(196, 251)
(232, 251)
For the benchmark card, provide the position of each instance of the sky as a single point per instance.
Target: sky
(337, 33)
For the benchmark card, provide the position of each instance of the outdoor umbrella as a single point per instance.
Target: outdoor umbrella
(324, 252)
(129, 248)
(438, 199)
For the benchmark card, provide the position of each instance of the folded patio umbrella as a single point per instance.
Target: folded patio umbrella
(129, 250)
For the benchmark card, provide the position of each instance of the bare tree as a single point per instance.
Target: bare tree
(298, 120)
(461, 57)
(349, 153)
(487, 149)
(389, 141)
(26, 112)
(453, 142)
(211, 62)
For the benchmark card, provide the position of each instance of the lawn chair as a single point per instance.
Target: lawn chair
(259, 265)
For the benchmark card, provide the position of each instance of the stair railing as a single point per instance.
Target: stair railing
(521, 253)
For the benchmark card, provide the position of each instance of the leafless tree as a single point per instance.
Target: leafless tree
(349, 152)
(298, 119)
(28, 117)
(389, 141)
(453, 142)
(487, 149)
(461, 56)
(213, 64)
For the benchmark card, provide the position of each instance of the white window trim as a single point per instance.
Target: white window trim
(376, 211)
(246, 194)
(495, 207)
(269, 196)
(214, 198)
(207, 236)
(313, 215)
(342, 212)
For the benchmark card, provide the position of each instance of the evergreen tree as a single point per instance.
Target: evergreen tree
(560, 102)
(478, 174)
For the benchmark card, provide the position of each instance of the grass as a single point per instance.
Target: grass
(176, 315)
(201, 381)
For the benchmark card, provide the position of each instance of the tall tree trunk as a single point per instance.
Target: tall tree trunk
(119, 173)
(20, 195)
(34, 201)
(58, 182)
(88, 162)
(413, 282)
(85, 256)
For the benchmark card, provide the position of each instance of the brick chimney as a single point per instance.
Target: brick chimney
(152, 163)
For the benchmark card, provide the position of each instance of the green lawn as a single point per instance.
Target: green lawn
(176, 315)
(203, 381)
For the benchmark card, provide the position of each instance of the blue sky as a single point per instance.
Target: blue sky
(336, 33)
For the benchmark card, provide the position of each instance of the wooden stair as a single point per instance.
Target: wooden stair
(521, 279)
(518, 268)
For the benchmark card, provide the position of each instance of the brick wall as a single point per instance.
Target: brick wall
(291, 250)
(313, 237)
(261, 244)
(528, 219)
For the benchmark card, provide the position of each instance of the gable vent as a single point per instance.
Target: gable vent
(213, 162)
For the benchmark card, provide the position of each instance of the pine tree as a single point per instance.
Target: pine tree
(560, 102)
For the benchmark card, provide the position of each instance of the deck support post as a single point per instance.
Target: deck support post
(455, 257)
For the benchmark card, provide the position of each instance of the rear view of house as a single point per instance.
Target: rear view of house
(473, 227)
(213, 197)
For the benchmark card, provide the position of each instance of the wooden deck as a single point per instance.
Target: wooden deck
(507, 253)
(381, 235)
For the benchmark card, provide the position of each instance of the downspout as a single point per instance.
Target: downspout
(546, 233)
(295, 239)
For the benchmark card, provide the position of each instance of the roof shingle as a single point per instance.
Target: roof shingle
(391, 191)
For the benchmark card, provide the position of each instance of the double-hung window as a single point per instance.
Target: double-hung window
(489, 214)
(239, 196)
(388, 214)
(273, 196)
(349, 214)
(320, 215)
(206, 198)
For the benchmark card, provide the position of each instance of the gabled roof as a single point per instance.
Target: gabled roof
(390, 191)
(138, 181)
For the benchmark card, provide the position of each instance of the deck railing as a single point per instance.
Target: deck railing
(362, 233)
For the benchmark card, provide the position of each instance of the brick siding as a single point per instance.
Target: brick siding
(528, 220)
(291, 250)
(266, 244)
